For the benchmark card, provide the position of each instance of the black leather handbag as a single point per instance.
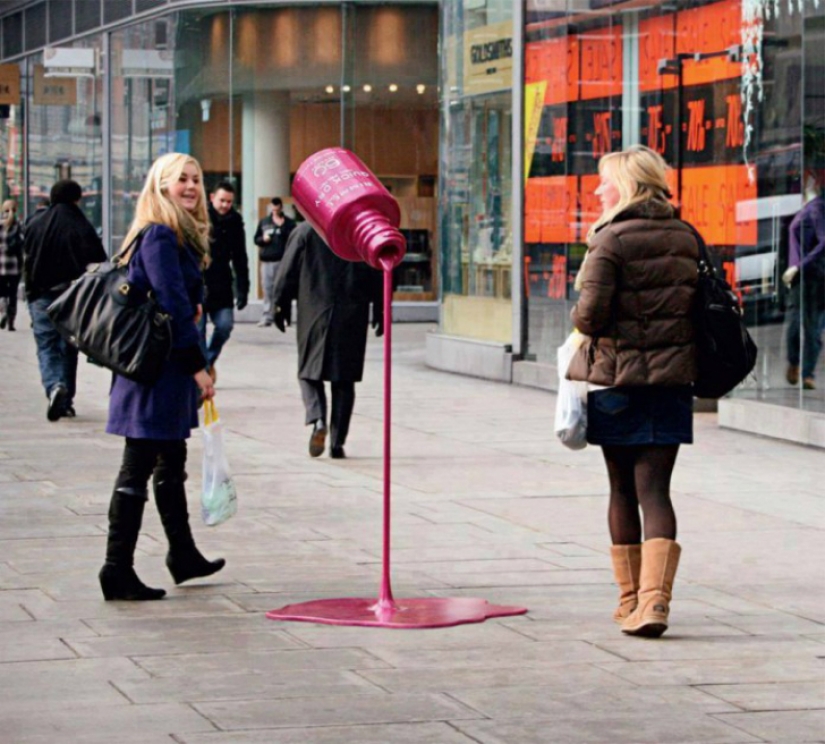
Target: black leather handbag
(114, 324)
(725, 351)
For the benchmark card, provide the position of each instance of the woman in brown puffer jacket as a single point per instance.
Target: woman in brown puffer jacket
(637, 289)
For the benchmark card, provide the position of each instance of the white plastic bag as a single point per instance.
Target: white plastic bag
(571, 404)
(219, 500)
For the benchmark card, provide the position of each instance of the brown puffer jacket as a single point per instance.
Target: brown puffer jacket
(636, 299)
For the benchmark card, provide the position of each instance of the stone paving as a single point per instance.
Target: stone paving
(486, 504)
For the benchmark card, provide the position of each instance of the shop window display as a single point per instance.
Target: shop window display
(723, 90)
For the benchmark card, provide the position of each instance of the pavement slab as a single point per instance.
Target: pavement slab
(780, 726)
(646, 725)
(334, 710)
(486, 503)
(398, 733)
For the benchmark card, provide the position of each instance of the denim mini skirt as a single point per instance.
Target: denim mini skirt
(640, 415)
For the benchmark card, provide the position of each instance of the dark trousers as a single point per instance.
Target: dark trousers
(8, 295)
(142, 458)
(343, 401)
(805, 313)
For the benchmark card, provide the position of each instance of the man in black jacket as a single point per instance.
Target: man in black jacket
(227, 257)
(270, 237)
(57, 247)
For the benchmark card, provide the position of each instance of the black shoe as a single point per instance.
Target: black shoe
(11, 324)
(337, 452)
(191, 565)
(121, 582)
(69, 411)
(57, 402)
(317, 439)
(3, 320)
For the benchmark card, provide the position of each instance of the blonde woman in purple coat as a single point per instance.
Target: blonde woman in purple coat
(171, 238)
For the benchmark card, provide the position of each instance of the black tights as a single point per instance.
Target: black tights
(640, 477)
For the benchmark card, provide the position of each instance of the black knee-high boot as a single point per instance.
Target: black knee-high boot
(118, 579)
(183, 560)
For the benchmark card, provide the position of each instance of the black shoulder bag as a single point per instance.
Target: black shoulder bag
(725, 351)
(107, 319)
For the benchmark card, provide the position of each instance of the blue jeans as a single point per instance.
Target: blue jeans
(806, 316)
(57, 359)
(223, 320)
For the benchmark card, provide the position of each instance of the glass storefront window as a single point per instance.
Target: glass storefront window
(142, 113)
(476, 173)
(725, 90)
(64, 124)
(250, 91)
(260, 89)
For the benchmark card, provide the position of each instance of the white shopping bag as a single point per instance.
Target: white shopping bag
(219, 500)
(571, 404)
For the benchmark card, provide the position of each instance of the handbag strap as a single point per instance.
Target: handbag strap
(125, 255)
(705, 264)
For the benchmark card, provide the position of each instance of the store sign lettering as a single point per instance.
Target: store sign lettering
(655, 129)
(709, 196)
(491, 51)
(558, 148)
(735, 134)
(601, 134)
(9, 84)
(697, 126)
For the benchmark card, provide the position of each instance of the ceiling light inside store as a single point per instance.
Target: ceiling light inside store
(393, 88)
(330, 89)
(367, 88)
(421, 88)
(346, 88)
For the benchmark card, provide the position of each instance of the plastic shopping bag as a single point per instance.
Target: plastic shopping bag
(571, 404)
(219, 500)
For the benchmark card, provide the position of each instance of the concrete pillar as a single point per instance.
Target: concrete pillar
(265, 162)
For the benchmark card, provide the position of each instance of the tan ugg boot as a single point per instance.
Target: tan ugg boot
(660, 558)
(627, 563)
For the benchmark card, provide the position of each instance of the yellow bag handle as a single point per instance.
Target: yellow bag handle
(210, 412)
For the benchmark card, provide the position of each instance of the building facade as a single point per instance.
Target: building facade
(95, 90)
(730, 92)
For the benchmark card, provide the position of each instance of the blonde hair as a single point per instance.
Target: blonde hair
(639, 174)
(154, 207)
(11, 205)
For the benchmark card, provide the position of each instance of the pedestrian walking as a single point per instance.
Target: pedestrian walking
(334, 298)
(227, 276)
(171, 230)
(11, 263)
(271, 237)
(805, 280)
(637, 290)
(57, 247)
(40, 209)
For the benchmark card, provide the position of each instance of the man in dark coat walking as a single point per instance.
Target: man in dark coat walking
(333, 296)
(227, 276)
(57, 247)
(270, 237)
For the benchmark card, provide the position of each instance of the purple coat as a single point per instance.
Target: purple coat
(169, 408)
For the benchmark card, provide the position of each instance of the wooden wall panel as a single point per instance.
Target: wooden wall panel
(390, 141)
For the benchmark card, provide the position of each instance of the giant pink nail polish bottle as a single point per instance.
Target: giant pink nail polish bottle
(349, 208)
